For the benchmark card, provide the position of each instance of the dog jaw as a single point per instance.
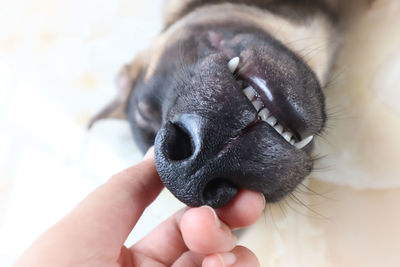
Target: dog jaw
(211, 141)
(210, 138)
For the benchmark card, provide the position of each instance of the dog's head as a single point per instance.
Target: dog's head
(228, 106)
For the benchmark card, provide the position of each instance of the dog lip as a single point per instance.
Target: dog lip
(273, 100)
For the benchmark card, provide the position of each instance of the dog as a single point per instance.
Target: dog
(231, 94)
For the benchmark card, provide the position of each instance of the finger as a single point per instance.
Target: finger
(104, 219)
(238, 257)
(204, 233)
(188, 259)
(164, 243)
(243, 210)
(113, 209)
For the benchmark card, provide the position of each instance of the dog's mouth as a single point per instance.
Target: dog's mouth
(241, 114)
(270, 106)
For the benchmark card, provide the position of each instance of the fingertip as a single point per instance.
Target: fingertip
(213, 261)
(217, 221)
(149, 154)
(264, 201)
(203, 232)
(196, 218)
(238, 257)
(219, 260)
(243, 210)
(245, 257)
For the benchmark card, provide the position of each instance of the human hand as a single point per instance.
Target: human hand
(94, 232)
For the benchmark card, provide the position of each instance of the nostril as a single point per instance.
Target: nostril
(218, 192)
(178, 143)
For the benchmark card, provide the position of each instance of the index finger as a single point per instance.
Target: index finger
(110, 212)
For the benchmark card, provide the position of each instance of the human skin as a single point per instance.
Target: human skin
(94, 232)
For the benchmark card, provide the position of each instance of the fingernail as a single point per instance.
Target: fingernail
(227, 259)
(217, 221)
(149, 153)
(265, 202)
(234, 237)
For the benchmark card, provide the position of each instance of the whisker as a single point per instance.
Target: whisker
(299, 202)
(322, 195)
(282, 209)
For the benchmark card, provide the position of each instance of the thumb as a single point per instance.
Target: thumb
(102, 221)
(113, 209)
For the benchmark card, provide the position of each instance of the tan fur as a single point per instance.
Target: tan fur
(314, 41)
(172, 9)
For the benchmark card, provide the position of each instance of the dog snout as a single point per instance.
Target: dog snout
(186, 163)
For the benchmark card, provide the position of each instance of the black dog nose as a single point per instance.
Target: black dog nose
(186, 160)
(178, 142)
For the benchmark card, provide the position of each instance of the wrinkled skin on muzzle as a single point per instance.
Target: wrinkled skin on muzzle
(210, 140)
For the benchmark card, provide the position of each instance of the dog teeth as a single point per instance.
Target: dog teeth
(304, 142)
(272, 121)
(279, 128)
(266, 115)
(257, 105)
(250, 93)
(287, 136)
(233, 64)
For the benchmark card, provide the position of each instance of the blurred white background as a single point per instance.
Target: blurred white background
(58, 60)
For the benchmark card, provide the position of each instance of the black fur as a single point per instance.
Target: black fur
(209, 141)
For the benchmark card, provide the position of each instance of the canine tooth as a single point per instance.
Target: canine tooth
(304, 142)
(279, 128)
(257, 104)
(287, 136)
(233, 64)
(249, 92)
(264, 113)
(271, 120)
(292, 141)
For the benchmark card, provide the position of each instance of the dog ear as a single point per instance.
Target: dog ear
(125, 82)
